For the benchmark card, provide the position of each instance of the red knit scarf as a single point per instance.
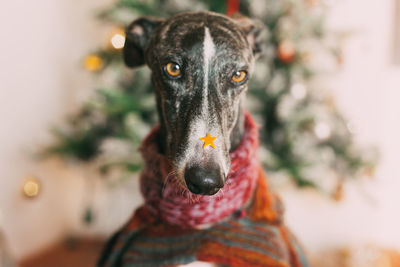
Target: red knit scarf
(169, 201)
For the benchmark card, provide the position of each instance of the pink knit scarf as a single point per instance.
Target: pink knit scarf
(169, 201)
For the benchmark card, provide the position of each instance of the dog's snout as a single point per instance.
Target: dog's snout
(204, 180)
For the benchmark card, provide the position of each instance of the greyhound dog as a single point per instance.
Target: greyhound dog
(201, 63)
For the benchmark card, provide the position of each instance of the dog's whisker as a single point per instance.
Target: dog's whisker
(190, 198)
(179, 182)
(170, 176)
(220, 194)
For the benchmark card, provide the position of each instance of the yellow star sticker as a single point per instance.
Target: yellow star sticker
(208, 140)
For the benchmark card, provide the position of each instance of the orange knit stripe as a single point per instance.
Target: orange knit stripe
(294, 259)
(272, 250)
(240, 229)
(263, 202)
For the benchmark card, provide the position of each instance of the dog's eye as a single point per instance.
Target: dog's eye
(173, 70)
(239, 77)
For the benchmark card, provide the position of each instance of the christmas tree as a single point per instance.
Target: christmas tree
(304, 137)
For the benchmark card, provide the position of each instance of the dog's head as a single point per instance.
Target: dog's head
(200, 64)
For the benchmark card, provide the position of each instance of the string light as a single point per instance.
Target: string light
(118, 41)
(31, 187)
(322, 130)
(117, 38)
(298, 91)
(93, 62)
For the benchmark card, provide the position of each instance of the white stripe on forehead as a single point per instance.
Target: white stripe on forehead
(208, 53)
(200, 125)
(208, 46)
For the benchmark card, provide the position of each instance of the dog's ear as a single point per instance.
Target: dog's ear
(138, 37)
(252, 29)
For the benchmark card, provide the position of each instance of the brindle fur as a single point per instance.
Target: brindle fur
(183, 104)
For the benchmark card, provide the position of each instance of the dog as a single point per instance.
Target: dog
(201, 63)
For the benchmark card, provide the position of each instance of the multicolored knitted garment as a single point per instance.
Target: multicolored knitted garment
(241, 227)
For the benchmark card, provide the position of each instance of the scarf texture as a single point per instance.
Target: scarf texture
(167, 199)
(241, 227)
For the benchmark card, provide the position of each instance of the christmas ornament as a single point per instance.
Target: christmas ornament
(208, 140)
(31, 187)
(286, 51)
(232, 6)
(93, 63)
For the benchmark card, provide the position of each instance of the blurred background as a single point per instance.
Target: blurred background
(325, 91)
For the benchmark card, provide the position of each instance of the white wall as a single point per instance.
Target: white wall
(42, 44)
(367, 90)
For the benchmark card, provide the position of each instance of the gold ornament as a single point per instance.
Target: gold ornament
(117, 39)
(31, 187)
(93, 62)
(286, 51)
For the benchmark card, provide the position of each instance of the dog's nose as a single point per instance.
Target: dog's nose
(204, 181)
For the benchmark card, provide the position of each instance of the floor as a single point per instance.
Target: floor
(71, 252)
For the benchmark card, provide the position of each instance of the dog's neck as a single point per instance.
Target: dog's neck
(236, 134)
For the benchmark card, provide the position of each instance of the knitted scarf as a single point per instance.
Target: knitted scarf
(166, 199)
(242, 227)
